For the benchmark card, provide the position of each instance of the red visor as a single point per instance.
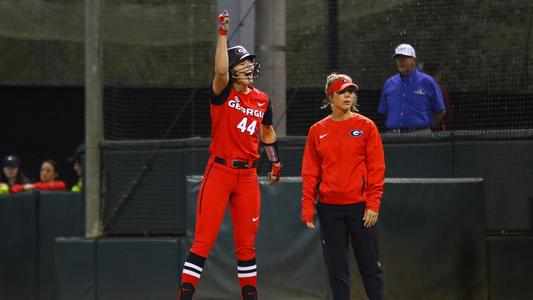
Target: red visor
(340, 84)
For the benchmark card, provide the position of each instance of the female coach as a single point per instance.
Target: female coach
(344, 169)
(240, 113)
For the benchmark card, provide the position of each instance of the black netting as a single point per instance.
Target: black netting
(158, 65)
(159, 56)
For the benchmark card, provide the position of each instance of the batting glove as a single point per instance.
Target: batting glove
(274, 175)
(223, 23)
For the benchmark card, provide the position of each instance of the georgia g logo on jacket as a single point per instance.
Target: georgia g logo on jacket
(356, 132)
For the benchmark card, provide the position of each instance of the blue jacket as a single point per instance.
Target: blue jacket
(410, 102)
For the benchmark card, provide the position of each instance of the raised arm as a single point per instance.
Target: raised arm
(221, 55)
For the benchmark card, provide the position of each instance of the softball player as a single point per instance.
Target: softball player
(239, 113)
(344, 165)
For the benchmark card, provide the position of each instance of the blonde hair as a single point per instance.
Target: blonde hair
(326, 102)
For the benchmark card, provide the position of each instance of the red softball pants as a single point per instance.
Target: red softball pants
(223, 185)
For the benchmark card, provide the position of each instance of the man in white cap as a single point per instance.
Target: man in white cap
(411, 100)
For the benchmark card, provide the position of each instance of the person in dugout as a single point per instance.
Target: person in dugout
(49, 181)
(240, 113)
(343, 171)
(11, 174)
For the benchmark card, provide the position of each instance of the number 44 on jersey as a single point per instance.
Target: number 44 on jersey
(243, 126)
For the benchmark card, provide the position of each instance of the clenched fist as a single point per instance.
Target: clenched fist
(223, 23)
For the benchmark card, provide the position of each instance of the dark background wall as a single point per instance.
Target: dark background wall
(155, 171)
(432, 241)
(30, 222)
(33, 267)
(42, 122)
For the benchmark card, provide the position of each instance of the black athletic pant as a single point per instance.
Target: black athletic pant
(340, 224)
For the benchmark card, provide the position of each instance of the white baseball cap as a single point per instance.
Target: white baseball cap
(404, 49)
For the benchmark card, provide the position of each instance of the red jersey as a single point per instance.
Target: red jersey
(42, 186)
(235, 122)
(345, 161)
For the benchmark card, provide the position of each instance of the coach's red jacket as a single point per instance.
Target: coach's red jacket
(344, 162)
